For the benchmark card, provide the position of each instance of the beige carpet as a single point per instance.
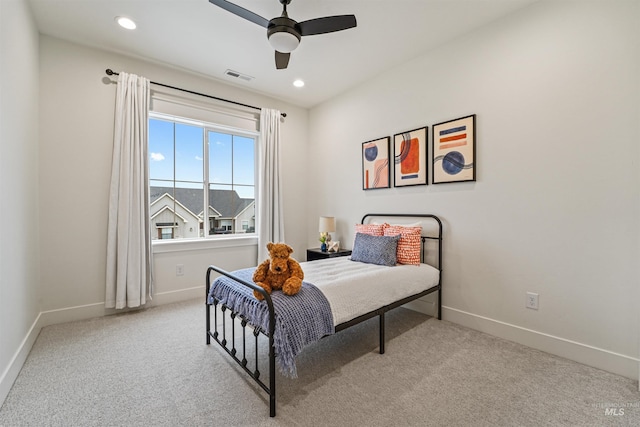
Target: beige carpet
(152, 368)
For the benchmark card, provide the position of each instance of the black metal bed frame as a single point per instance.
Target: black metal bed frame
(221, 337)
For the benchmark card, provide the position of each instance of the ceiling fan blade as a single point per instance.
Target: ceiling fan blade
(241, 12)
(328, 24)
(282, 60)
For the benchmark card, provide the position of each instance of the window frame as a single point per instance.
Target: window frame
(209, 240)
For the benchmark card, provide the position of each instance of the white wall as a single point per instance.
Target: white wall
(19, 305)
(556, 204)
(76, 125)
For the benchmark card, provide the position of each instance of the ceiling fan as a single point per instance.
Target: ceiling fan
(284, 33)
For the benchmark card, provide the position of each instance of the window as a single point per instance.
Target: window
(165, 229)
(201, 178)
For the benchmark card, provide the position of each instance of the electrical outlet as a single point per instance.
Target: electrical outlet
(532, 300)
(180, 270)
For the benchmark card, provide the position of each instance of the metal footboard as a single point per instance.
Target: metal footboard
(220, 336)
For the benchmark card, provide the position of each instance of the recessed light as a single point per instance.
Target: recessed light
(298, 83)
(125, 22)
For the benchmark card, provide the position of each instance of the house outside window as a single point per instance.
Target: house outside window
(201, 178)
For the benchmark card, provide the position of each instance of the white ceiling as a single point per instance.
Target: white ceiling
(198, 36)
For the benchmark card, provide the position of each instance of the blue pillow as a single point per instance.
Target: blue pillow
(379, 250)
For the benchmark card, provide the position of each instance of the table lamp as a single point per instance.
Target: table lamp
(326, 226)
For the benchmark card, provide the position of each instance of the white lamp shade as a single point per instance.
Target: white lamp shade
(327, 224)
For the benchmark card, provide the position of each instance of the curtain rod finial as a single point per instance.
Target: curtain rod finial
(109, 72)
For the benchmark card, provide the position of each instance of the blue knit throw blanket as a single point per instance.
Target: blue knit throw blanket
(300, 319)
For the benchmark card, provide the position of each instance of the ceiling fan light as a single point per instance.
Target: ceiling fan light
(284, 41)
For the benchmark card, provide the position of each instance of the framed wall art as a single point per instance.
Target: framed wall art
(410, 158)
(375, 164)
(454, 150)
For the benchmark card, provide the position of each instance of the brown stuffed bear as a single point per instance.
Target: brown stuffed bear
(278, 272)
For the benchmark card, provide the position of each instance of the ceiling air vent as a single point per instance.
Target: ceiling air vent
(238, 75)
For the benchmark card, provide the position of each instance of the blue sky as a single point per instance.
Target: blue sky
(188, 158)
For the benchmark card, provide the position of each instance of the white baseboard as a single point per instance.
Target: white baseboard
(179, 295)
(606, 360)
(422, 305)
(89, 311)
(17, 361)
(72, 314)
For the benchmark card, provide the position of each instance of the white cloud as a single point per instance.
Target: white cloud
(157, 157)
(198, 158)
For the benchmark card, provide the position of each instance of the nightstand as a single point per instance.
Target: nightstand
(315, 254)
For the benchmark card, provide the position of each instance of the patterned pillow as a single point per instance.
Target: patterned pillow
(379, 250)
(371, 229)
(409, 244)
(413, 224)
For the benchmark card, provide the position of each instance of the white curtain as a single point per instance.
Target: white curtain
(269, 197)
(129, 239)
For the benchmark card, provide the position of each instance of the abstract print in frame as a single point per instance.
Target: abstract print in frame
(375, 164)
(454, 150)
(410, 158)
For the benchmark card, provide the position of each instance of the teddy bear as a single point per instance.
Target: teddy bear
(279, 271)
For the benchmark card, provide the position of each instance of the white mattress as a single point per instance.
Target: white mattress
(355, 288)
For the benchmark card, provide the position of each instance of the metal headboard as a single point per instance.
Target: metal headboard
(424, 238)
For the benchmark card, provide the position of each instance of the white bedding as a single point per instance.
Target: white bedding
(368, 286)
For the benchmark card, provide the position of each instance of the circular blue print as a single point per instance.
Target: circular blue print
(370, 153)
(453, 162)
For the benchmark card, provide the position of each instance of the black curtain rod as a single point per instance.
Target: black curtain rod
(110, 72)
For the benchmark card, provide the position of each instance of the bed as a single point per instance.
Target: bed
(396, 259)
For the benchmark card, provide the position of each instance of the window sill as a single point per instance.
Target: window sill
(159, 247)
